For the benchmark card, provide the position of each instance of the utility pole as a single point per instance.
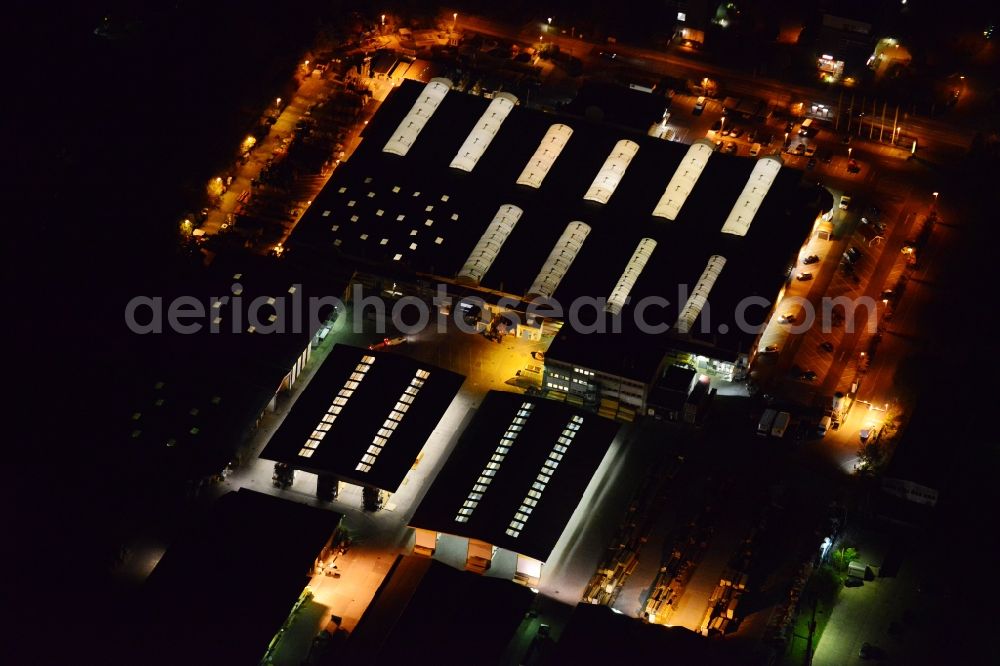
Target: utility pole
(861, 120)
(871, 125)
(840, 101)
(881, 127)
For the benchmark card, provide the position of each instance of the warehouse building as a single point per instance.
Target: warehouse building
(222, 591)
(512, 484)
(550, 207)
(363, 419)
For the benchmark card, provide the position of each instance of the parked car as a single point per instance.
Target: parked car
(808, 375)
(851, 581)
(811, 259)
(788, 317)
(699, 105)
(731, 148)
(811, 164)
(845, 201)
(810, 150)
(800, 149)
(755, 150)
(771, 349)
(853, 166)
(736, 132)
(802, 277)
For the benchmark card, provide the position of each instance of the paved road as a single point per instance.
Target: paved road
(733, 82)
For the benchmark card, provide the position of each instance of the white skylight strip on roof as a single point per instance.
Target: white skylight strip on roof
(337, 404)
(761, 179)
(488, 247)
(684, 179)
(545, 473)
(560, 259)
(482, 134)
(699, 296)
(421, 111)
(396, 415)
(486, 476)
(611, 173)
(538, 166)
(632, 271)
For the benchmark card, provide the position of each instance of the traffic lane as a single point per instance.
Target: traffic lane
(732, 82)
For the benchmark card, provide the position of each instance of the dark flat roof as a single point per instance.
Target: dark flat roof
(363, 415)
(598, 635)
(463, 204)
(426, 612)
(619, 105)
(198, 394)
(516, 473)
(223, 589)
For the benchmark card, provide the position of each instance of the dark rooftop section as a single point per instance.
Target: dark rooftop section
(199, 393)
(426, 612)
(222, 590)
(395, 398)
(672, 388)
(415, 212)
(917, 457)
(516, 473)
(598, 635)
(618, 105)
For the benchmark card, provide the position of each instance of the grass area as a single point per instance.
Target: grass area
(795, 655)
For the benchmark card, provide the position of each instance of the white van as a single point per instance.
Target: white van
(781, 422)
(824, 425)
(699, 106)
(806, 128)
(755, 150)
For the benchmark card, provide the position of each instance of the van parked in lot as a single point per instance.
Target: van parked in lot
(699, 106)
(824, 425)
(755, 150)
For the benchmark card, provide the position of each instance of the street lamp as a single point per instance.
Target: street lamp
(383, 19)
(849, 151)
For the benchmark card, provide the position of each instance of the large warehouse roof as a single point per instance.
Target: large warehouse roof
(517, 473)
(364, 417)
(417, 215)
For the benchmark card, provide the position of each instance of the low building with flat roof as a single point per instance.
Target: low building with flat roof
(243, 338)
(222, 591)
(426, 612)
(513, 481)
